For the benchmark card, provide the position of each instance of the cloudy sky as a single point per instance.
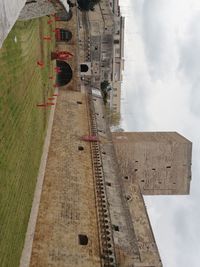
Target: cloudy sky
(9, 12)
(161, 91)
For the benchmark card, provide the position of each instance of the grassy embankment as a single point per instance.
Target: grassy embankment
(22, 128)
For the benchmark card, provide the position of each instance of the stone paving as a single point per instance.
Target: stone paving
(67, 207)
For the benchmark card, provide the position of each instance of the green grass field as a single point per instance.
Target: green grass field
(22, 128)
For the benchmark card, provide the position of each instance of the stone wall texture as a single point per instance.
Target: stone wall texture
(159, 161)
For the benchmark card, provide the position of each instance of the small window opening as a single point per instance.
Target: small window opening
(116, 227)
(116, 41)
(108, 183)
(168, 167)
(128, 197)
(83, 240)
(142, 181)
(79, 102)
(84, 68)
(80, 148)
(126, 177)
(135, 170)
(153, 169)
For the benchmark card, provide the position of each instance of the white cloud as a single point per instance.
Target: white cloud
(9, 12)
(161, 92)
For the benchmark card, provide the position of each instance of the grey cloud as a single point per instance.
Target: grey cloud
(195, 96)
(182, 224)
(189, 63)
(154, 37)
(136, 111)
(147, 88)
(195, 183)
(190, 50)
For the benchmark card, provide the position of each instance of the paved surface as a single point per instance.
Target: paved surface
(67, 207)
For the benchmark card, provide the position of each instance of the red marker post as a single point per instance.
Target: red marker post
(50, 104)
(47, 38)
(41, 105)
(40, 63)
(50, 21)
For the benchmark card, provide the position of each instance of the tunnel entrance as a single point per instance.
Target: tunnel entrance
(84, 68)
(65, 74)
(63, 35)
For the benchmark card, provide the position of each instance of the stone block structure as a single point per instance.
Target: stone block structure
(159, 161)
(94, 214)
(151, 163)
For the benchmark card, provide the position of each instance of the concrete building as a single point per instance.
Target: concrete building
(101, 30)
(151, 163)
(118, 64)
(106, 51)
(126, 181)
(159, 161)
